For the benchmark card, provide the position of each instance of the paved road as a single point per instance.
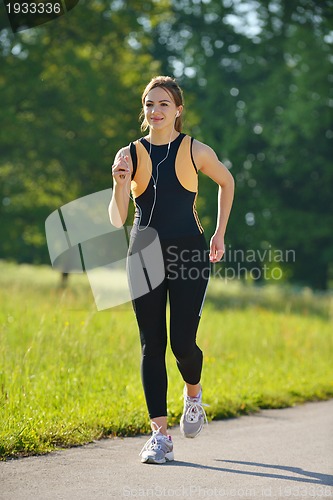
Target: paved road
(274, 454)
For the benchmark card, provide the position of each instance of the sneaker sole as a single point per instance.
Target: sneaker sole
(168, 458)
(191, 436)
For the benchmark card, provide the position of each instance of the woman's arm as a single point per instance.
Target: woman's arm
(121, 171)
(208, 163)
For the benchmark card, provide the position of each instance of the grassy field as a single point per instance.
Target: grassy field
(70, 374)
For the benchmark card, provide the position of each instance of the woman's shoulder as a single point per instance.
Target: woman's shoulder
(201, 151)
(200, 146)
(130, 148)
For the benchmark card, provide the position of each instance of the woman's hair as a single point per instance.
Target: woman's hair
(172, 88)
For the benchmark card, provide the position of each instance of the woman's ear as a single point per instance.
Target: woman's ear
(179, 111)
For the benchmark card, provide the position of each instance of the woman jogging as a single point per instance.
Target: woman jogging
(161, 170)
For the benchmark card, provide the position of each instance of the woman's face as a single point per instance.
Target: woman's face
(160, 109)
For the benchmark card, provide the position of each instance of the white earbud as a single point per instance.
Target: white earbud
(177, 114)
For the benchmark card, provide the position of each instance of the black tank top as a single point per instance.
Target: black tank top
(172, 213)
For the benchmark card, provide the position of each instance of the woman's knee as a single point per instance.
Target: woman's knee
(185, 351)
(153, 350)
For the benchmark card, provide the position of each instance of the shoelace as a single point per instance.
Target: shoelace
(152, 441)
(194, 409)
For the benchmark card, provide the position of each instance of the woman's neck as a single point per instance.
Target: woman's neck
(159, 137)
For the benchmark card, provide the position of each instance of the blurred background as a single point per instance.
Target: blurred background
(257, 77)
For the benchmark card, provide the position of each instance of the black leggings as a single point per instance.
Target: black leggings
(186, 270)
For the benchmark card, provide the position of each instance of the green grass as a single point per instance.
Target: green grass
(70, 374)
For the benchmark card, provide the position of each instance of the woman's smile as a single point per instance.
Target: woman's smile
(156, 119)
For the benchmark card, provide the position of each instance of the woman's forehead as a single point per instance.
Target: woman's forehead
(158, 94)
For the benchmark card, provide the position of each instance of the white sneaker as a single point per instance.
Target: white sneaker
(158, 449)
(194, 415)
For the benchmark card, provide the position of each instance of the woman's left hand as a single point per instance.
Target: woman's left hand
(216, 248)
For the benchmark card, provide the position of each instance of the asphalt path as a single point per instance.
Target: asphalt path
(274, 454)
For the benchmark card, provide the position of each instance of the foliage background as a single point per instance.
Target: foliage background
(257, 77)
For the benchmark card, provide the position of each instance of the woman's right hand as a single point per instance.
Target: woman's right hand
(121, 171)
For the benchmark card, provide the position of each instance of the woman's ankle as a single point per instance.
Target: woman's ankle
(159, 423)
(193, 391)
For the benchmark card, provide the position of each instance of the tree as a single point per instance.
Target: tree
(71, 90)
(257, 81)
(263, 93)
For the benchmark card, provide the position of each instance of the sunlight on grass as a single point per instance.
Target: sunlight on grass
(70, 374)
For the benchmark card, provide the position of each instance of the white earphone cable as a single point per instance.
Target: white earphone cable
(154, 183)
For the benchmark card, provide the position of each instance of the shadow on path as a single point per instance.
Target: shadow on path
(311, 477)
